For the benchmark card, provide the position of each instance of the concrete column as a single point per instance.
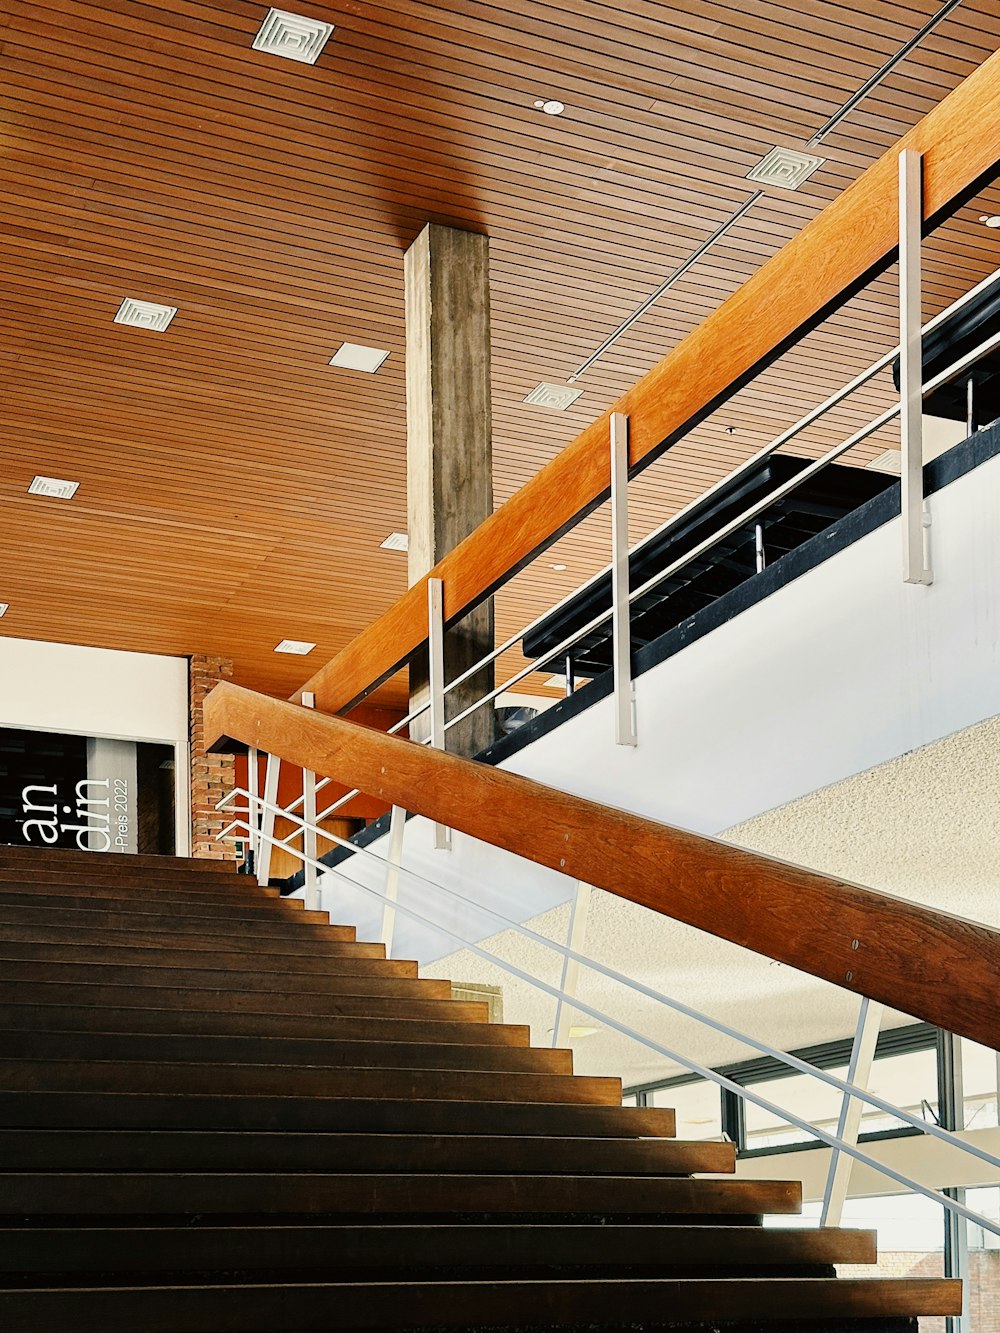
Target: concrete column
(449, 450)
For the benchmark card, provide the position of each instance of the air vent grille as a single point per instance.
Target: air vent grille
(54, 488)
(555, 396)
(785, 167)
(145, 315)
(292, 36)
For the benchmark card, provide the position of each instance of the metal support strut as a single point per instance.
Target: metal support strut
(916, 565)
(397, 826)
(849, 1126)
(309, 828)
(435, 650)
(621, 627)
(576, 940)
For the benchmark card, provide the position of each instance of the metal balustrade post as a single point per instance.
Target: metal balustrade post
(915, 517)
(621, 617)
(309, 826)
(397, 826)
(253, 811)
(435, 650)
(951, 1112)
(576, 939)
(266, 835)
(849, 1125)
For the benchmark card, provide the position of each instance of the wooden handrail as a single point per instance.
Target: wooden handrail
(820, 268)
(927, 963)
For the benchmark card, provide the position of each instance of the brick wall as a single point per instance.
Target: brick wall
(212, 775)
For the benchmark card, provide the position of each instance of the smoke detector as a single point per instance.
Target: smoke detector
(786, 168)
(555, 396)
(292, 36)
(145, 315)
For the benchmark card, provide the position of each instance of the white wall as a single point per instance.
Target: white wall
(839, 671)
(63, 687)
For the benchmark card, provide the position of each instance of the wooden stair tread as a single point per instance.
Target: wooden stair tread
(173, 1150)
(480, 1245)
(95, 1193)
(658, 1303)
(53, 1018)
(323, 1052)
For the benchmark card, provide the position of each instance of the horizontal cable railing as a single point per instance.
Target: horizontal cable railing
(849, 1090)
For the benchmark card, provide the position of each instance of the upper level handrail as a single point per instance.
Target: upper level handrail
(923, 962)
(831, 258)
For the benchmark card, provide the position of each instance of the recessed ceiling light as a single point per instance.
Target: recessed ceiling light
(352, 356)
(4, 608)
(993, 221)
(292, 36)
(785, 167)
(891, 462)
(396, 541)
(556, 396)
(145, 315)
(295, 646)
(550, 106)
(559, 568)
(54, 488)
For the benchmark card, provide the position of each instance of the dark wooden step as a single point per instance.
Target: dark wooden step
(159, 1150)
(326, 1052)
(440, 1247)
(49, 858)
(135, 931)
(169, 890)
(679, 1306)
(335, 1027)
(119, 871)
(261, 957)
(274, 912)
(74, 1110)
(226, 999)
(274, 1080)
(198, 978)
(373, 1197)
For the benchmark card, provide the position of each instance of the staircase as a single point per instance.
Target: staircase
(220, 1112)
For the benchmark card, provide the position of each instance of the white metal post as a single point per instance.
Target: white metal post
(911, 424)
(309, 826)
(397, 826)
(621, 627)
(435, 651)
(576, 939)
(849, 1126)
(253, 810)
(266, 839)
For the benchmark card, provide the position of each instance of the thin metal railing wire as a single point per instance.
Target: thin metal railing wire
(793, 1062)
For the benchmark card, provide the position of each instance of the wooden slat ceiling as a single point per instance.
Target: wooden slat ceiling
(234, 487)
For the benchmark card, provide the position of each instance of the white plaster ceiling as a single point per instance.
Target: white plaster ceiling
(925, 826)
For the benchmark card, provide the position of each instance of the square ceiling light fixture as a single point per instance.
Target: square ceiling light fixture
(292, 36)
(54, 488)
(352, 356)
(296, 646)
(145, 315)
(785, 167)
(556, 396)
(396, 541)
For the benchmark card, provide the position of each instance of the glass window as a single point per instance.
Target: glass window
(979, 1077)
(698, 1106)
(908, 1080)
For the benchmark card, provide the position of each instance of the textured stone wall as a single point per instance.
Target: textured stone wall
(212, 775)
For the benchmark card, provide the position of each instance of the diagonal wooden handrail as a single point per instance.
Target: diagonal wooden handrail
(927, 963)
(820, 268)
